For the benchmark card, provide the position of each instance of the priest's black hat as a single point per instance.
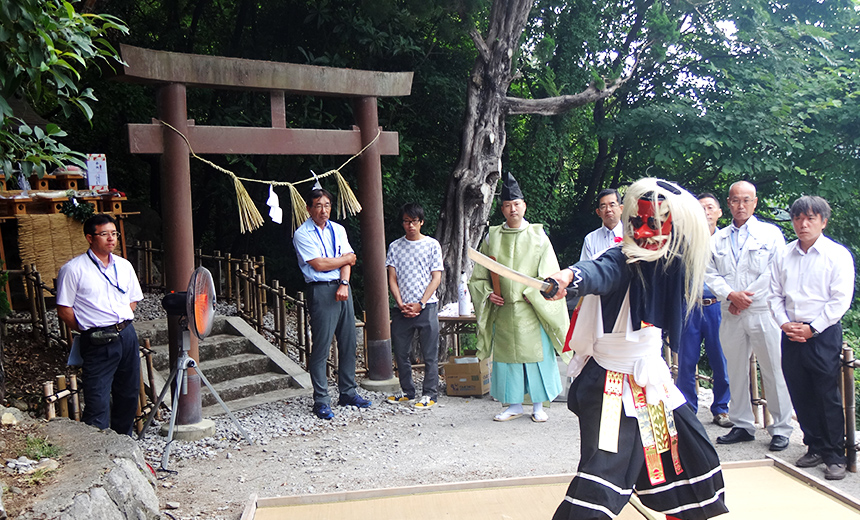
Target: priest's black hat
(511, 188)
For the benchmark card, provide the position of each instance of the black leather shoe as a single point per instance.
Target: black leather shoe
(778, 443)
(735, 436)
(810, 460)
(834, 472)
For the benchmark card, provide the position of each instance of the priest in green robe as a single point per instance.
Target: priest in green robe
(516, 325)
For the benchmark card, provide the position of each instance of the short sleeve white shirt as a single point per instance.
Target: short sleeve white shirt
(99, 295)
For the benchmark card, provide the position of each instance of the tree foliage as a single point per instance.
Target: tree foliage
(721, 91)
(45, 44)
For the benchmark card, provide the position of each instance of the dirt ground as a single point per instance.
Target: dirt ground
(385, 446)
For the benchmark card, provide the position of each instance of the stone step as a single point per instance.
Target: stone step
(246, 386)
(253, 400)
(213, 347)
(156, 330)
(240, 365)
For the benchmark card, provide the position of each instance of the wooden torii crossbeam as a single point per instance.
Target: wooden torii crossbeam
(173, 72)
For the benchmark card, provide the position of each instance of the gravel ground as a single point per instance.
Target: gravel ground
(384, 446)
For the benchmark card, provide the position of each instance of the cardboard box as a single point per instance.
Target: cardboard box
(466, 375)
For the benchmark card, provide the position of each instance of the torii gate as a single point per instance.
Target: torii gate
(172, 72)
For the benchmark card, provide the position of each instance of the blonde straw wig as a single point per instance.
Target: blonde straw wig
(690, 237)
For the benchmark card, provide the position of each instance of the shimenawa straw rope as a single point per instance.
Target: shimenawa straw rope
(250, 218)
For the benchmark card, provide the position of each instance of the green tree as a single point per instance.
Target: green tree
(45, 44)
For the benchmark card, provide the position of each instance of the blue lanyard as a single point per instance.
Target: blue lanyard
(333, 243)
(115, 274)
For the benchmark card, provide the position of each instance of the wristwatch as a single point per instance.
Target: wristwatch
(344, 282)
(422, 304)
(814, 332)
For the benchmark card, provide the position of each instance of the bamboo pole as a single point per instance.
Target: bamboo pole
(64, 402)
(850, 405)
(141, 405)
(754, 395)
(148, 255)
(276, 315)
(260, 299)
(40, 300)
(282, 312)
(229, 277)
(76, 399)
(301, 325)
(219, 272)
(262, 261)
(55, 398)
(31, 292)
(48, 389)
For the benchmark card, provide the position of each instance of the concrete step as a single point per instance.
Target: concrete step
(246, 386)
(156, 330)
(240, 365)
(253, 400)
(213, 347)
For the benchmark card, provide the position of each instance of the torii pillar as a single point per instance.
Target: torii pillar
(172, 72)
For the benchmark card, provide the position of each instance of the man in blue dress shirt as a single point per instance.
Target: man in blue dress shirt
(326, 260)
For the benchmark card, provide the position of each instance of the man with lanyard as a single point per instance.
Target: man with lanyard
(326, 260)
(812, 284)
(739, 275)
(97, 293)
(609, 210)
(704, 326)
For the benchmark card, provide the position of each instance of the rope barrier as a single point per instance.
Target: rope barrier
(250, 218)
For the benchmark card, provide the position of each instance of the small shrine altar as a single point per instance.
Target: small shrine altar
(35, 231)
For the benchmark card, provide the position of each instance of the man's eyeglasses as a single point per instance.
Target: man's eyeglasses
(327, 205)
(737, 202)
(604, 206)
(105, 234)
(407, 222)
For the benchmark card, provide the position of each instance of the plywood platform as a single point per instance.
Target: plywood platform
(754, 490)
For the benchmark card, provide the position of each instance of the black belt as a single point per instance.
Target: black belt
(116, 327)
(330, 282)
(708, 301)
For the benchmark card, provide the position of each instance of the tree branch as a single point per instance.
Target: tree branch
(480, 44)
(559, 104)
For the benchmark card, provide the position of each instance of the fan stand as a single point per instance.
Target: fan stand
(179, 375)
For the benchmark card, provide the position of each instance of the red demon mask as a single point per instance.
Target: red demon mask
(645, 231)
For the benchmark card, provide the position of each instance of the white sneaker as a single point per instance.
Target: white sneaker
(398, 398)
(424, 403)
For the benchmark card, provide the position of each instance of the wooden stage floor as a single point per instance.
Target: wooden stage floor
(754, 490)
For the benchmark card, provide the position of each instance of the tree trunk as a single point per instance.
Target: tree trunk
(469, 195)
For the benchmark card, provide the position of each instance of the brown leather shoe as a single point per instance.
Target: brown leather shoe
(722, 419)
(834, 472)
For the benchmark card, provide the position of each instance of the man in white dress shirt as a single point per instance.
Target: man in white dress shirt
(97, 293)
(739, 275)
(812, 285)
(609, 210)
